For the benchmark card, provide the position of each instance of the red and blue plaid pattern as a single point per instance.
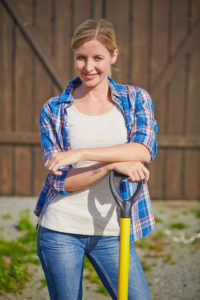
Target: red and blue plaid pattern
(138, 110)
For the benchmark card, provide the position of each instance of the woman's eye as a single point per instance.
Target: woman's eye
(79, 57)
(98, 58)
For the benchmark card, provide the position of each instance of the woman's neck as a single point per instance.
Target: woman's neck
(99, 92)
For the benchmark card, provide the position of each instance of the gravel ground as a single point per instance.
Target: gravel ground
(170, 257)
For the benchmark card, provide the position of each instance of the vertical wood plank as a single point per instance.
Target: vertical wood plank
(23, 105)
(156, 182)
(159, 48)
(192, 158)
(23, 84)
(23, 167)
(121, 26)
(97, 9)
(42, 80)
(173, 179)
(6, 91)
(61, 37)
(45, 23)
(158, 58)
(6, 175)
(140, 43)
(176, 112)
(44, 20)
(23, 67)
(160, 37)
(177, 101)
(193, 106)
(179, 23)
(6, 34)
(192, 164)
(81, 12)
(43, 85)
(195, 12)
(39, 171)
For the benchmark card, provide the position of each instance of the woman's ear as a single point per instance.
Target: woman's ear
(114, 56)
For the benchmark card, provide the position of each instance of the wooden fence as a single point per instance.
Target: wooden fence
(159, 44)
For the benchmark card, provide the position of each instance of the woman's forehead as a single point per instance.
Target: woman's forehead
(92, 46)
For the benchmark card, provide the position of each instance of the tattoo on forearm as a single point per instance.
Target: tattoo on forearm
(95, 172)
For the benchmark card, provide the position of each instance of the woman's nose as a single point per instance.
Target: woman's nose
(88, 65)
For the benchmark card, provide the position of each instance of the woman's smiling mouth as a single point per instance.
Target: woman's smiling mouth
(90, 76)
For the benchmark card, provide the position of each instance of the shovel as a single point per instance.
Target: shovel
(125, 223)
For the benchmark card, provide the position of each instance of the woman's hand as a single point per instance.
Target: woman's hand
(61, 159)
(136, 171)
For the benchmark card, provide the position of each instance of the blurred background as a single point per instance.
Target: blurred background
(159, 43)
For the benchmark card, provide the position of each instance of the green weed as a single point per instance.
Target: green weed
(178, 225)
(148, 267)
(167, 257)
(197, 213)
(141, 243)
(43, 283)
(15, 255)
(174, 216)
(158, 220)
(101, 289)
(6, 217)
(159, 234)
(186, 212)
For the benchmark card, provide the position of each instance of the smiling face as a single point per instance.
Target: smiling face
(92, 62)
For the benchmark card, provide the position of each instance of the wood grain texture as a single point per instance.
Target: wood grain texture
(23, 102)
(23, 173)
(159, 51)
(157, 179)
(6, 80)
(6, 174)
(114, 11)
(39, 171)
(191, 180)
(140, 43)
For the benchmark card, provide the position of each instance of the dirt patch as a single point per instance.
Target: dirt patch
(170, 254)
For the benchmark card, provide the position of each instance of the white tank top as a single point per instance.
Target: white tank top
(90, 211)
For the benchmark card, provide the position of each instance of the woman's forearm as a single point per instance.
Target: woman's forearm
(112, 154)
(80, 178)
(118, 153)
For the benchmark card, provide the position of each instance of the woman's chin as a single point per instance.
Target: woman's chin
(90, 82)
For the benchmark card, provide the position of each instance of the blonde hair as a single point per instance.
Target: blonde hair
(101, 30)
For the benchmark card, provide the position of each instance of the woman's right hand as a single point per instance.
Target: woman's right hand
(135, 170)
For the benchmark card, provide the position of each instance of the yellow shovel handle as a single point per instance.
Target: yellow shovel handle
(124, 258)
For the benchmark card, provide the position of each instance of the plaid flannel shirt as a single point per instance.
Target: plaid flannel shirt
(138, 110)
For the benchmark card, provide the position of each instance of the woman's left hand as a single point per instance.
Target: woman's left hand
(61, 159)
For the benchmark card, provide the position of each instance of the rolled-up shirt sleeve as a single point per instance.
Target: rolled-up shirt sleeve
(145, 126)
(50, 144)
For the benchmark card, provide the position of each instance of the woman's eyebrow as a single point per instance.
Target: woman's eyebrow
(99, 55)
(82, 54)
(79, 53)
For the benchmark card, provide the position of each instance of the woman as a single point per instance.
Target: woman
(94, 126)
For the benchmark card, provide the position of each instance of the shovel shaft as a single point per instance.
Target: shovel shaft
(124, 258)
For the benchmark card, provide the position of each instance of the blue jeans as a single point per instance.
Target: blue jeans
(62, 257)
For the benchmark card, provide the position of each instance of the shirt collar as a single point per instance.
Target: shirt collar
(115, 92)
(67, 96)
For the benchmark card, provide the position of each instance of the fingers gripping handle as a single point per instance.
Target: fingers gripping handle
(125, 205)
